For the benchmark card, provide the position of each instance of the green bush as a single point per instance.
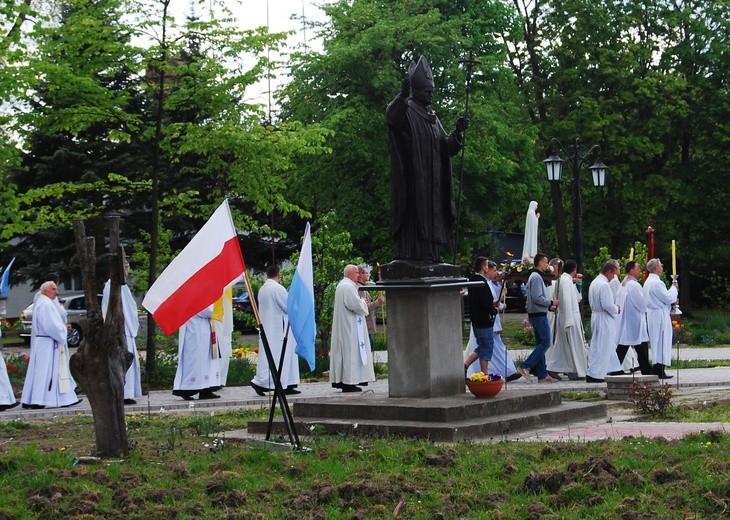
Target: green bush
(651, 400)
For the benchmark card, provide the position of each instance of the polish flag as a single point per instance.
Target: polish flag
(197, 277)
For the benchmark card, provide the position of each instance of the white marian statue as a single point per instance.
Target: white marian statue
(529, 247)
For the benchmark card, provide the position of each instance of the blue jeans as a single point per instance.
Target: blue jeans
(485, 342)
(536, 359)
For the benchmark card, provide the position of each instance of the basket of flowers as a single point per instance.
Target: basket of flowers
(485, 385)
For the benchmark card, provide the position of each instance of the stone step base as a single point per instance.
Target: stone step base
(519, 414)
(618, 388)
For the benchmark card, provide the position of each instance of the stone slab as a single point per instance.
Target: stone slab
(477, 428)
(434, 410)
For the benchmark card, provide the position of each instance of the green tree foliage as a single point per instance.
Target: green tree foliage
(367, 47)
(648, 82)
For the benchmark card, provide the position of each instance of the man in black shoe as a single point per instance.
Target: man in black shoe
(349, 345)
(275, 318)
(659, 302)
(198, 366)
(602, 357)
(632, 328)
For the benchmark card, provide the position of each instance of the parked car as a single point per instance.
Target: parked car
(75, 305)
(242, 301)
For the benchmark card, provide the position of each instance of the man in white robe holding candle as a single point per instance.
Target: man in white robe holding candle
(349, 348)
(659, 302)
(48, 381)
(632, 327)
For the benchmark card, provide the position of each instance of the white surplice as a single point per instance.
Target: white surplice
(348, 360)
(274, 318)
(6, 390)
(568, 353)
(133, 377)
(198, 366)
(659, 302)
(602, 357)
(48, 381)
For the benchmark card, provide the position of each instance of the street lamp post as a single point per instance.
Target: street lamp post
(576, 157)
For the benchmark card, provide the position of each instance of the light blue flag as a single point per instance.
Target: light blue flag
(5, 281)
(300, 303)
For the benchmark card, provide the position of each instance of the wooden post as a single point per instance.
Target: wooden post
(101, 361)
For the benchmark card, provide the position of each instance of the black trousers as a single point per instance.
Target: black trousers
(642, 352)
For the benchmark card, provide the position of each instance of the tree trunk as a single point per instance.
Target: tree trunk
(101, 361)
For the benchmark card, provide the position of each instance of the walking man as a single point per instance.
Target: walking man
(632, 326)
(602, 357)
(659, 302)
(538, 306)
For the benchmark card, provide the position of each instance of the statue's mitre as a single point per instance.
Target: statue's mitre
(420, 74)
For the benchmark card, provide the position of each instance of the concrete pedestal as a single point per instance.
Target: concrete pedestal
(620, 387)
(424, 338)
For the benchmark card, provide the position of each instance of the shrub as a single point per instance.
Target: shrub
(651, 400)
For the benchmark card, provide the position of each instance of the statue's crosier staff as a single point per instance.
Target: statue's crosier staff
(469, 65)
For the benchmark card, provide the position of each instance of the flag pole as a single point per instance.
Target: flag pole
(278, 370)
(278, 391)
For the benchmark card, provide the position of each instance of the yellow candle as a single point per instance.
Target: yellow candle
(631, 254)
(674, 257)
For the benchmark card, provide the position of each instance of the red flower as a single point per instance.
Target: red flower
(12, 368)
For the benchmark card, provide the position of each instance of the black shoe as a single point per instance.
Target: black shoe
(33, 406)
(292, 391)
(555, 375)
(590, 379)
(208, 395)
(72, 404)
(185, 394)
(616, 373)
(350, 388)
(362, 384)
(665, 376)
(573, 376)
(260, 390)
(4, 407)
(130, 401)
(514, 377)
(337, 385)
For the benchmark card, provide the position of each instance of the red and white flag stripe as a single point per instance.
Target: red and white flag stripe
(197, 277)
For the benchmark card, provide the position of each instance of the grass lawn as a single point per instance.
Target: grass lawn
(182, 467)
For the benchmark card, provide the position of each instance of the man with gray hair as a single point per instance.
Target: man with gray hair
(659, 302)
(48, 381)
(349, 348)
(602, 357)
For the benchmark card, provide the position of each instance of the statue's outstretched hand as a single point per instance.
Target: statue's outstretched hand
(405, 88)
(462, 124)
